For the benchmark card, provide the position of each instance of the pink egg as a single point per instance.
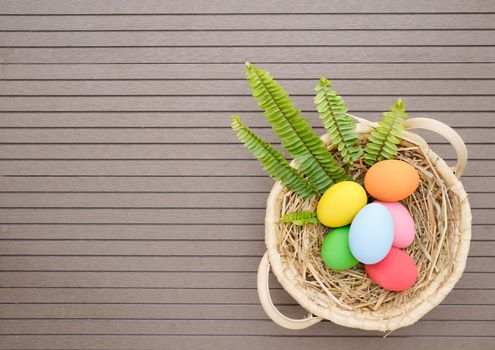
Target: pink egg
(404, 230)
(396, 272)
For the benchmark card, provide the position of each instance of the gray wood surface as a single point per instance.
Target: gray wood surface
(130, 216)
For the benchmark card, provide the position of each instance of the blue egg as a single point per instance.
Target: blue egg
(371, 234)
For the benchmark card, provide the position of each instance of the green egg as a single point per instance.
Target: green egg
(335, 250)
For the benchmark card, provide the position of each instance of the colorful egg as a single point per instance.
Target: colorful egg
(371, 234)
(397, 272)
(391, 180)
(335, 251)
(340, 203)
(404, 230)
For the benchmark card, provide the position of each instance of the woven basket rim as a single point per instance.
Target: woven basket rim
(409, 313)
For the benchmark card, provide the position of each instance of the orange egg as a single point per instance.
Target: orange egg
(391, 180)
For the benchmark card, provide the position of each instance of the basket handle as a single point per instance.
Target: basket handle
(270, 309)
(449, 134)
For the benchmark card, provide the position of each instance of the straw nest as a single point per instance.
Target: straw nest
(431, 207)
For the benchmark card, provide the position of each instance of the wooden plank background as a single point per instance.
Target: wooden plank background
(131, 218)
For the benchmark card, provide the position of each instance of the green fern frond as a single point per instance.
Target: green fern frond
(296, 134)
(300, 218)
(340, 127)
(273, 161)
(383, 141)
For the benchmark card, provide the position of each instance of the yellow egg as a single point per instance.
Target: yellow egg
(340, 203)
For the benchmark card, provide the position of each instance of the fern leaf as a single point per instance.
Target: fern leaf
(340, 127)
(273, 161)
(300, 218)
(383, 141)
(296, 134)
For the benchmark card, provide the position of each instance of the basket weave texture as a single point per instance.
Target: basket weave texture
(442, 215)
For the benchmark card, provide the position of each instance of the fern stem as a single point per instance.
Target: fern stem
(273, 160)
(340, 127)
(383, 141)
(300, 218)
(295, 132)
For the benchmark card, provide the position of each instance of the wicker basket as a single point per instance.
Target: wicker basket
(320, 304)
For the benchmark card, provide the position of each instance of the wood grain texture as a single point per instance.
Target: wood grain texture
(246, 342)
(182, 185)
(173, 151)
(239, 7)
(227, 87)
(227, 104)
(153, 231)
(331, 21)
(164, 248)
(168, 168)
(228, 327)
(219, 312)
(381, 54)
(248, 38)
(131, 217)
(184, 296)
(171, 263)
(202, 119)
(210, 279)
(163, 200)
(234, 71)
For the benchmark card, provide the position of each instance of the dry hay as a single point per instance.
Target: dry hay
(431, 208)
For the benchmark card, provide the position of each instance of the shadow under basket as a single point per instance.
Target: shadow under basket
(442, 215)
